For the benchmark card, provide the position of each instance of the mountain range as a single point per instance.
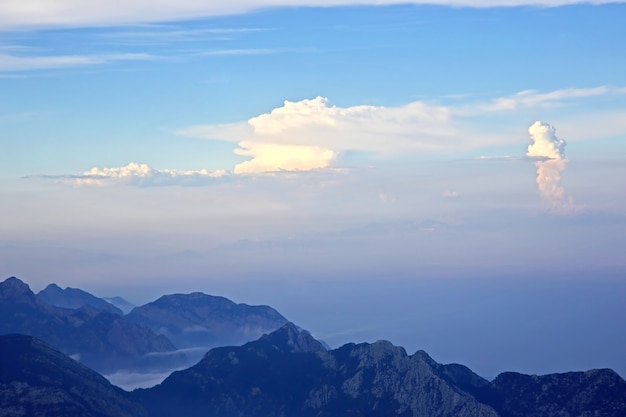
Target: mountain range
(284, 372)
(290, 374)
(97, 333)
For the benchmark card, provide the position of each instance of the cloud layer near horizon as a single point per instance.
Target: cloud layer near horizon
(38, 13)
(137, 174)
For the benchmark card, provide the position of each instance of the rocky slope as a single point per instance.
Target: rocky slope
(37, 380)
(288, 373)
(599, 392)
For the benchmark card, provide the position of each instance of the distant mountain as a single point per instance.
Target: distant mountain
(102, 340)
(120, 303)
(75, 298)
(37, 380)
(201, 320)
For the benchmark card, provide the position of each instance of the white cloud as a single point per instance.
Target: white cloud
(19, 13)
(313, 122)
(139, 175)
(25, 63)
(544, 142)
(413, 128)
(551, 151)
(272, 157)
(312, 134)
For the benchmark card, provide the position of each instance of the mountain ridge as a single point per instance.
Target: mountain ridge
(278, 375)
(198, 319)
(283, 373)
(274, 376)
(75, 298)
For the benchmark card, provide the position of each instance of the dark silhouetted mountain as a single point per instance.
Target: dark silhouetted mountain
(288, 373)
(37, 380)
(75, 298)
(595, 393)
(201, 320)
(102, 340)
(291, 338)
(120, 303)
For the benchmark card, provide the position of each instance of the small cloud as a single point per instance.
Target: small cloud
(386, 198)
(544, 142)
(450, 194)
(138, 175)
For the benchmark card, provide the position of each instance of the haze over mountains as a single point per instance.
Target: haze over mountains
(147, 340)
(197, 319)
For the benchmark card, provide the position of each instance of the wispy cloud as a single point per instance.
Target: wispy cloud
(533, 98)
(236, 52)
(169, 35)
(29, 63)
(15, 14)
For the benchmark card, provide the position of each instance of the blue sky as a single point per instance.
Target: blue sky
(273, 146)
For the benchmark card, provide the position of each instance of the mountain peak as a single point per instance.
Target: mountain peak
(53, 287)
(202, 320)
(291, 338)
(75, 298)
(14, 289)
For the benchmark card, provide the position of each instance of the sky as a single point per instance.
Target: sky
(459, 165)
